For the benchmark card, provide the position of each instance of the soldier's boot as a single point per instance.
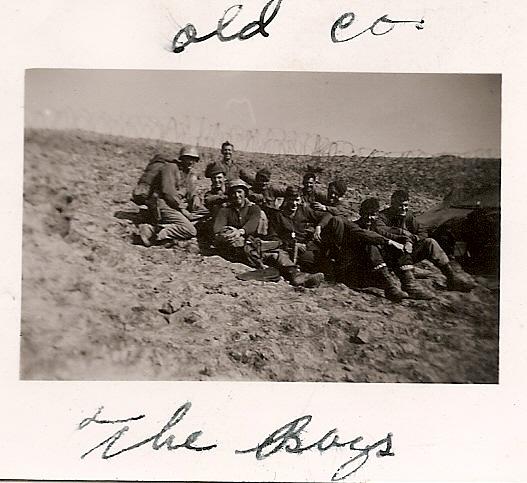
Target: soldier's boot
(300, 279)
(388, 282)
(455, 281)
(146, 233)
(410, 285)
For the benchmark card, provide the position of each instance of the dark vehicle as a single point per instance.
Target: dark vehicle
(468, 229)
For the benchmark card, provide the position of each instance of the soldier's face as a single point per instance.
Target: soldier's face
(227, 153)
(292, 204)
(262, 182)
(238, 196)
(333, 196)
(218, 180)
(401, 207)
(371, 217)
(186, 161)
(309, 184)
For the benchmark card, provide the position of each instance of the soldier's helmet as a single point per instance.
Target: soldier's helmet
(263, 175)
(369, 206)
(238, 183)
(189, 152)
(213, 169)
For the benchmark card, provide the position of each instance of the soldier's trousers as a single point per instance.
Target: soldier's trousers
(173, 224)
(355, 259)
(429, 249)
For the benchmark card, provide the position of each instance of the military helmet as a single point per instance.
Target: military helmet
(213, 169)
(292, 192)
(369, 206)
(264, 174)
(189, 151)
(238, 183)
(339, 186)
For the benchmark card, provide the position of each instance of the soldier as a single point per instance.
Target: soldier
(217, 195)
(395, 254)
(262, 192)
(358, 256)
(235, 229)
(231, 168)
(291, 224)
(309, 193)
(401, 225)
(172, 197)
(333, 204)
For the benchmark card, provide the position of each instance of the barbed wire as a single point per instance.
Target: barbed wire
(204, 132)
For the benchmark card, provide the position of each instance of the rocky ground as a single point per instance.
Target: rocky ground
(96, 305)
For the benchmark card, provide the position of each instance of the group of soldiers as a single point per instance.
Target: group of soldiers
(302, 232)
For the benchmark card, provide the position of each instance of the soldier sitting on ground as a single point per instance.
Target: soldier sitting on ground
(333, 203)
(235, 229)
(398, 223)
(394, 254)
(217, 195)
(291, 225)
(263, 193)
(358, 255)
(309, 192)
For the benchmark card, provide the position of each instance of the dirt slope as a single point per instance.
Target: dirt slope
(92, 298)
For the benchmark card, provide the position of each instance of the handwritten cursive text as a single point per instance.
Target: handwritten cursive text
(188, 34)
(345, 21)
(288, 438)
(159, 440)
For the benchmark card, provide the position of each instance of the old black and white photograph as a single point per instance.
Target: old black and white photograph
(261, 226)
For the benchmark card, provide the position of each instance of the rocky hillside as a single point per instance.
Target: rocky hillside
(95, 303)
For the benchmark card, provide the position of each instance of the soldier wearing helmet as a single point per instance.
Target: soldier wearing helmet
(239, 219)
(236, 230)
(173, 193)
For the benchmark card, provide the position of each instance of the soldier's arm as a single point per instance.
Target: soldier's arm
(251, 225)
(221, 221)
(256, 197)
(368, 237)
(169, 187)
(213, 200)
(318, 218)
(395, 234)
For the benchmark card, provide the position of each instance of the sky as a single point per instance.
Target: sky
(429, 113)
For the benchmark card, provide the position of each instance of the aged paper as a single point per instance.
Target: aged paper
(461, 432)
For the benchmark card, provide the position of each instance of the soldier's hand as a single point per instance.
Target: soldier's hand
(408, 247)
(394, 244)
(187, 214)
(318, 206)
(317, 236)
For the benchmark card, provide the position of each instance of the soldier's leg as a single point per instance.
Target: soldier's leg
(311, 258)
(281, 260)
(331, 246)
(374, 261)
(429, 249)
(175, 226)
(263, 224)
